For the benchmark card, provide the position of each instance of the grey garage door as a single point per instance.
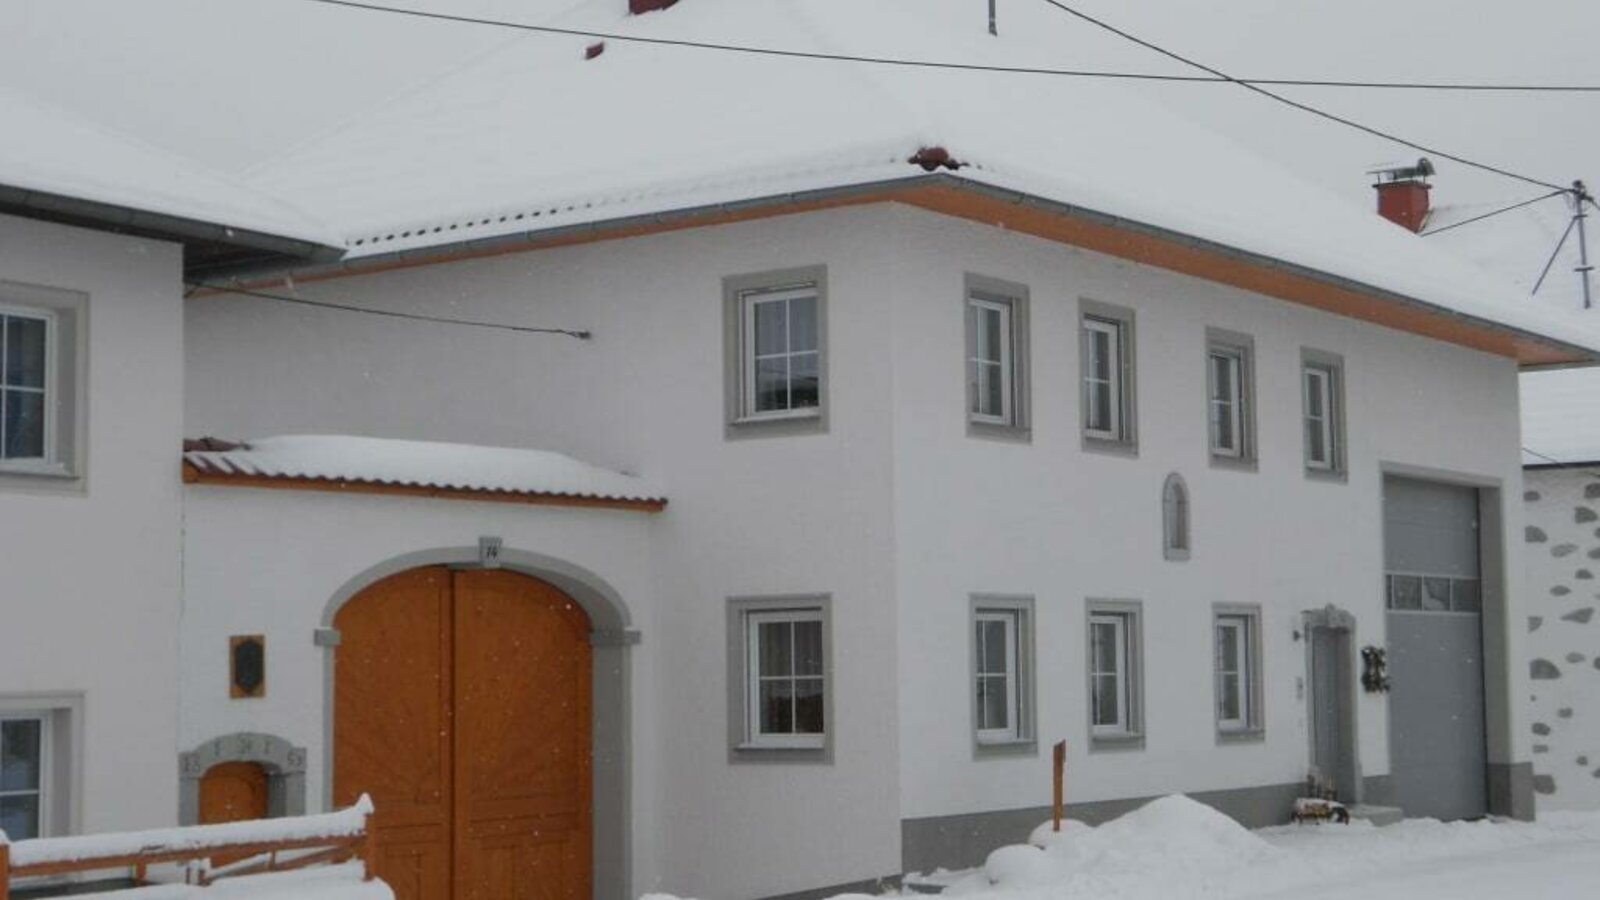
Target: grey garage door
(1437, 749)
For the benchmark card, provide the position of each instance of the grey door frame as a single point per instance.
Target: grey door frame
(1343, 623)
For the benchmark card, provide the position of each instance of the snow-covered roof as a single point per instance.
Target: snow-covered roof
(429, 468)
(1561, 417)
(534, 136)
(53, 160)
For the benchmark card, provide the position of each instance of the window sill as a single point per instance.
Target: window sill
(1331, 476)
(991, 747)
(1233, 463)
(1252, 735)
(1111, 446)
(1020, 434)
(36, 470)
(1174, 554)
(1116, 743)
(809, 421)
(752, 752)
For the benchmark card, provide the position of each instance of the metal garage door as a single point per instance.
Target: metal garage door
(1437, 747)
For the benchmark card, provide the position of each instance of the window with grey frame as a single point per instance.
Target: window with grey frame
(775, 351)
(27, 387)
(1106, 363)
(1175, 518)
(1322, 404)
(1115, 686)
(1002, 649)
(1236, 632)
(24, 781)
(996, 315)
(785, 678)
(1230, 397)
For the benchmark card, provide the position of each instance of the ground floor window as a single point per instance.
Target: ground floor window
(780, 666)
(1114, 677)
(1002, 663)
(1236, 645)
(24, 756)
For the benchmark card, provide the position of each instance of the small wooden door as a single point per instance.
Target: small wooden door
(462, 705)
(233, 792)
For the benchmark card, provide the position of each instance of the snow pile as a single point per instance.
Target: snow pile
(341, 882)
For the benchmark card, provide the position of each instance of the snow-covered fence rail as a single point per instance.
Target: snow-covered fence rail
(264, 845)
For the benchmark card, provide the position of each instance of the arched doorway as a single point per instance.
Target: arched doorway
(462, 705)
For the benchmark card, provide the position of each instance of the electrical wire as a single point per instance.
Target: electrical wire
(417, 317)
(1488, 215)
(1303, 107)
(1478, 87)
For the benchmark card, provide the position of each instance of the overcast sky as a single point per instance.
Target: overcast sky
(232, 82)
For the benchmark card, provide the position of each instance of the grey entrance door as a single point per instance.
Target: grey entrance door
(1437, 750)
(1332, 709)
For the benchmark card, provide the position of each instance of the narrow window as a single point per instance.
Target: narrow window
(1227, 406)
(782, 353)
(784, 662)
(1175, 518)
(1322, 401)
(990, 366)
(24, 806)
(1237, 662)
(999, 694)
(1102, 379)
(26, 426)
(1110, 674)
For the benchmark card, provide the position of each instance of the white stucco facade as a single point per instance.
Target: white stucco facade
(88, 629)
(894, 511)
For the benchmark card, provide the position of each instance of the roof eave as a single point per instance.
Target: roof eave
(259, 250)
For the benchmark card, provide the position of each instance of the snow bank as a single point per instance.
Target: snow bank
(328, 883)
(344, 823)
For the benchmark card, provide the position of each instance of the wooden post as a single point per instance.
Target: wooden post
(1058, 800)
(369, 851)
(5, 868)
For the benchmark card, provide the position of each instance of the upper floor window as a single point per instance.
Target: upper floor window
(1230, 396)
(26, 385)
(997, 361)
(41, 384)
(1106, 354)
(776, 351)
(1175, 518)
(1322, 395)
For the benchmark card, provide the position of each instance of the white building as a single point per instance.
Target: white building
(917, 426)
(96, 238)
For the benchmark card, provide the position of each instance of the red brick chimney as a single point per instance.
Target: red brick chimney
(1403, 194)
(643, 6)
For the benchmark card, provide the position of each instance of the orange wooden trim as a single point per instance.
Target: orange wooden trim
(369, 851)
(187, 854)
(273, 864)
(1081, 231)
(193, 474)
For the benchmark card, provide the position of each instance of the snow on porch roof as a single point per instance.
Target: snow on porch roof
(350, 464)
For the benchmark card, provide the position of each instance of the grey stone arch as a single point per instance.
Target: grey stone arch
(284, 763)
(611, 637)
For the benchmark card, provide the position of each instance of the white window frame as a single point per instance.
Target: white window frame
(976, 363)
(1240, 667)
(1120, 631)
(1231, 407)
(750, 359)
(49, 463)
(754, 736)
(1010, 621)
(1322, 426)
(46, 769)
(1113, 382)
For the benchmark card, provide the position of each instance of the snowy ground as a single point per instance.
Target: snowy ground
(1175, 848)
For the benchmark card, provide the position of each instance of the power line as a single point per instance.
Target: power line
(1303, 107)
(1475, 87)
(1487, 215)
(417, 317)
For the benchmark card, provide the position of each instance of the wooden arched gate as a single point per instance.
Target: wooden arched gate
(462, 705)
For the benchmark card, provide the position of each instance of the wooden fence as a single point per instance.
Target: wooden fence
(269, 845)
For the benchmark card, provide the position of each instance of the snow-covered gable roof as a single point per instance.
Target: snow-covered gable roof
(54, 164)
(426, 468)
(534, 136)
